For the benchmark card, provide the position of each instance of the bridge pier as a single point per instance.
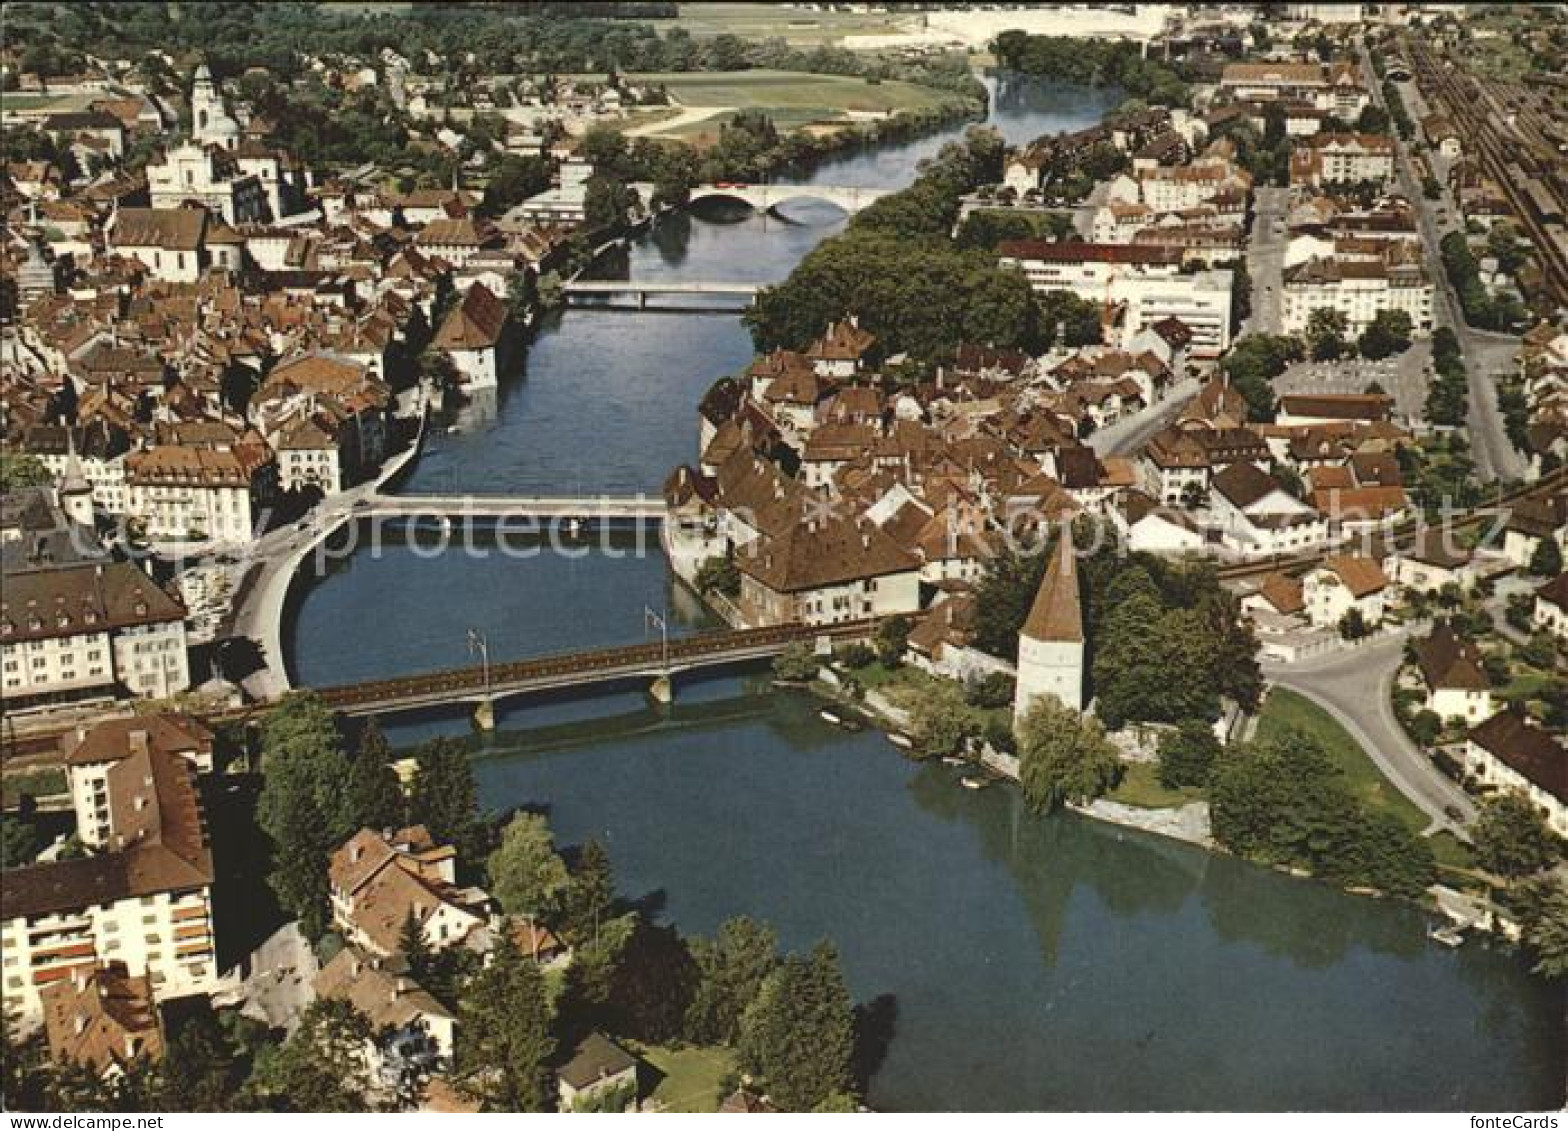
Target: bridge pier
(484, 714)
(662, 690)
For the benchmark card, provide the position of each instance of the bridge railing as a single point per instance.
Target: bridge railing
(469, 682)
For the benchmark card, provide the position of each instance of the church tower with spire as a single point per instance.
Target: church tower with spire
(211, 123)
(1051, 645)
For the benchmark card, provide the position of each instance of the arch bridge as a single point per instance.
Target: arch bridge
(765, 198)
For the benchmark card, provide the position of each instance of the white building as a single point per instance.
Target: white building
(1550, 611)
(1509, 752)
(180, 491)
(1051, 645)
(1145, 283)
(212, 176)
(1359, 290)
(170, 242)
(145, 901)
(1343, 583)
(1456, 683)
(1257, 517)
(89, 630)
(379, 879)
(474, 336)
(91, 753)
(827, 571)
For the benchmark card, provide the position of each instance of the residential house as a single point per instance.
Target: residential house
(169, 242)
(1434, 561)
(474, 336)
(1451, 669)
(145, 901)
(103, 1019)
(826, 570)
(1256, 516)
(221, 493)
(600, 1076)
(1509, 751)
(379, 880)
(843, 349)
(1549, 613)
(412, 1032)
(1532, 521)
(91, 752)
(1147, 526)
(1344, 583)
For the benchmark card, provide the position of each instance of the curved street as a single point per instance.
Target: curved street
(1355, 686)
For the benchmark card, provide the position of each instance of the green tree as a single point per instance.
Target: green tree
(732, 966)
(375, 792)
(527, 876)
(1512, 837)
(1063, 756)
(1388, 333)
(18, 841)
(939, 719)
(199, 1071)
(444, 799)
(303, 807)
(504, 1044)
(799, 1034)
(514, 180)
(1547, 559)
(892, 637)
(796, 663)
(718, 574)
(1542, 903)
(1326, 329)
(21, 469)
(321, 1067)
(1187, 753)
(590, 892)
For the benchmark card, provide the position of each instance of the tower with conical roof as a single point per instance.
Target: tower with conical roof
(1051, 645)
(75, 492)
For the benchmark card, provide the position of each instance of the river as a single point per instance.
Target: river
(1020, 962)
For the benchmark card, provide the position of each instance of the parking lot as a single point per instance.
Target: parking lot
(1403, 377)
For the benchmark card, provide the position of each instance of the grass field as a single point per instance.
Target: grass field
(768, 21)
(792, 90)
(690, 1076)
(1286, 711)
(1140, 786)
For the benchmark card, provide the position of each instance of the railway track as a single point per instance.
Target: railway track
(1402, 536)
(1469, 107)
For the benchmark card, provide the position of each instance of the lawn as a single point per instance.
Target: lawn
(1286, 711)
(1140, 786)
(41, 783)
(793, 99)
(769, 21)
(689, 1076)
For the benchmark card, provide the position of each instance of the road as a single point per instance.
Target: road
(1127, 436)
(1356, 687)
(1266, 259)
(1486, 354)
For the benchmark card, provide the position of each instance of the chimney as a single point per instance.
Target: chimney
(80, 1024)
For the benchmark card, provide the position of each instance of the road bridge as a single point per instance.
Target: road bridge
(643, 291)
(659, 662)
(639, 507)
(765, 198)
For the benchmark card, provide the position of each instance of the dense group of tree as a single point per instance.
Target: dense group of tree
(1284, 802)
(1448, 397)
(1146, 617)
(1254, 362)
(1483, 309)
(898, 269)
(1094, 62)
